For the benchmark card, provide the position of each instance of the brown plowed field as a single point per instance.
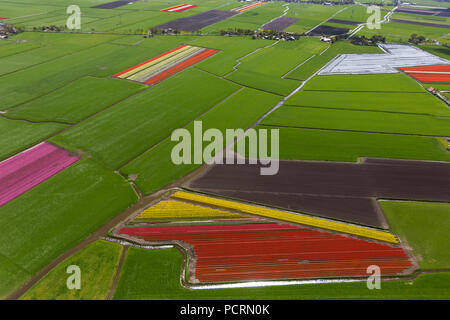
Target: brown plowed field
(112, 5)
(343, 208)
(198, 21)
(331, 189)
(327, 31)
(279, 24)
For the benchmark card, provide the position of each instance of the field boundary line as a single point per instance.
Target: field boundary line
(13, 54)
(296, 67)
(183, 126)
(281, 103)
(118, 271)
(282, 15)
(368, 110)
(367, 91)
(239, 60)
(5, 116)
(56, 58)
(331, 17)
(44, 94)
(355, 131)
(237, 83)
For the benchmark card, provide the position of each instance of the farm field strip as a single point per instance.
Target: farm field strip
(279, 24)
(166, 64)
(198, 21)
(175, 210)
(243, 252)
(429, 73)
(27, 169)
(248, 7)
(289, 217)
(179, 8)
(358, 120)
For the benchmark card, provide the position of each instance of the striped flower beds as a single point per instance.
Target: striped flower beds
(275, 251)
(164, 65)
(249, 6)
(176, 210)
(289, 217)
(429, 73)
(3, 18)
(179, 8)
(25, 170)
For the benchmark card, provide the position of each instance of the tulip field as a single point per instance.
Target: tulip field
(166, 64)
(289, 217)
(25, 170)
(429, 74)
(249, 6)
(179, 8)
(247, 251)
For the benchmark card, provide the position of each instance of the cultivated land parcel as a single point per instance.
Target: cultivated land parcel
(86, 172)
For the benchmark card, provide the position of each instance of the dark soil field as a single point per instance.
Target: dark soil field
(279, 24)
(112, 5)
(198, 21)
(354, 23)
(327, 31)
(351, 209)
(436, 25)
(349, 188)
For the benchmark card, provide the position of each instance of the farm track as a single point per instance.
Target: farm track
(119, 269)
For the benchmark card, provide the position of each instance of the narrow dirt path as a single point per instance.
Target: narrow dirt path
(117, 275)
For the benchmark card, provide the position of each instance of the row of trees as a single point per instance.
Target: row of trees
(415, 39)
(372, 41)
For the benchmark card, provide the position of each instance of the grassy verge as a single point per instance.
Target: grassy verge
(98, 263)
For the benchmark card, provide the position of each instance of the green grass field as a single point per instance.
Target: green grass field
(95, 284)
(440, 51)
(231, 49)
(54, 216)
(154, 274)
(417, 103)
(355, 120)
(146, 118)
(329, 145)
(154, 168)
(266, 68)
(69, 104)
(424, 227)
(400, 32)
(18, 135)
(397, 82)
